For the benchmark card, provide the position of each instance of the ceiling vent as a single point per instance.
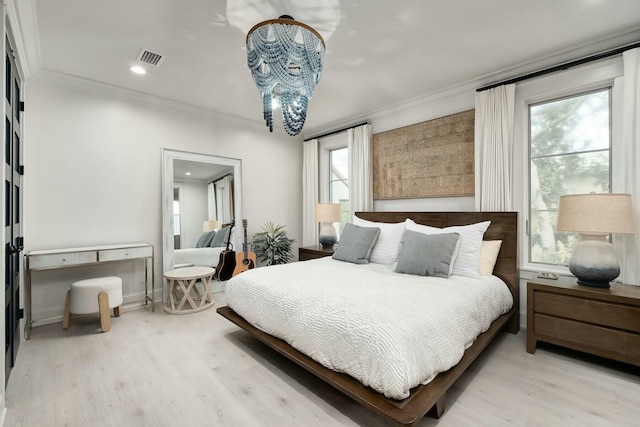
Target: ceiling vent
(147, 57)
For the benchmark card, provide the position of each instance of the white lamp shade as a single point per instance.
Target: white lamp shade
(328, 212)
(596, 214)
(210, 226)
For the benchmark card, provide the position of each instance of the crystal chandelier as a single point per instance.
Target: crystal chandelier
(285, 57)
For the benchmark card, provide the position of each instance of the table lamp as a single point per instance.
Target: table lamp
(595, 216)
(326, 214)
(210, 226)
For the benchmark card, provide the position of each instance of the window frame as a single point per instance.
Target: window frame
(529, 211)
(331, 180)
(325, 146)
(587, 78)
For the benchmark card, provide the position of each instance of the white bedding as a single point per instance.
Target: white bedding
(203, 257)
(390, 331)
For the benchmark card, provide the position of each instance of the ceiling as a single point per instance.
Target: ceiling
(381, 53)
(198, 171)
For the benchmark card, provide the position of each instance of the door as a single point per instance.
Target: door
(13, 210)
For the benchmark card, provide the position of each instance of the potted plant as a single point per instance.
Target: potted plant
(272, 246)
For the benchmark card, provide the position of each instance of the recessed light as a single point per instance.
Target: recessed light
(138, 69)
(188, 173)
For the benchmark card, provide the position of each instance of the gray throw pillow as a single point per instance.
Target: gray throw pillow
(205, 239)
(220, 239)
(356, 244)
(427, 254)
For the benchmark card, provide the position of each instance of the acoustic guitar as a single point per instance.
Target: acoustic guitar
(227, 261)
(244, 260)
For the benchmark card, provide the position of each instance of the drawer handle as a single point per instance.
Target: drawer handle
(126, 254)
(64, 259)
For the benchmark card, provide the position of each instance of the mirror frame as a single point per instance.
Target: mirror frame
(168, 156)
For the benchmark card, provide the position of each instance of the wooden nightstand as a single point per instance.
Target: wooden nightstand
(313, 252)
(604, 322)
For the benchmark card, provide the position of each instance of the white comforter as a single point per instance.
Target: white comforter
(390, 331)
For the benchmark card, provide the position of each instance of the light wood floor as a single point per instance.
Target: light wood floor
(156, 369)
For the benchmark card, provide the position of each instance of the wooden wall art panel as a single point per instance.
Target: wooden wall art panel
(428, 159)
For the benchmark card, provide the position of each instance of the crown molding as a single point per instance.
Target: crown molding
(603, 44)
(21, 15)
(141, 98)
(462, 95)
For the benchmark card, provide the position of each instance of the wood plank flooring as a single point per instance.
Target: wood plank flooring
(157, 369)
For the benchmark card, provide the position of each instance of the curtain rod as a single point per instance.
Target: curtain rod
(333, 132)
(221, 177)
(563, 66)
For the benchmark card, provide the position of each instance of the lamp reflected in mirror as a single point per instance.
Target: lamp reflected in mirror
(209, 226)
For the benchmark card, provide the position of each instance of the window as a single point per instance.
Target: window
(570, 153)
(334, 174)
(176, 218)
(339, 183)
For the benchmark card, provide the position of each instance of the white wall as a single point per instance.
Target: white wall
(93, 176)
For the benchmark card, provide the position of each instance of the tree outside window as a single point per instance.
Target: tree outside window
(570, 153)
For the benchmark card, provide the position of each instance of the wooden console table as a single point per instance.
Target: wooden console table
(75, 257)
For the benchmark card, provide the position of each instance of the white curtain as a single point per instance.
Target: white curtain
(360, 147)
(494, 148)
(309, 192)
(631, 142)
(224, 199)
(211, 202)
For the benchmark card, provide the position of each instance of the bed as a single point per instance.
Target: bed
(430, 397)
(200, 257)
(207, 250)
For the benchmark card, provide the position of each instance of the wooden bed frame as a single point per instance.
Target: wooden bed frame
(428, 398)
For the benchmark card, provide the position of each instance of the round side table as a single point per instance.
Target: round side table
(182, 286)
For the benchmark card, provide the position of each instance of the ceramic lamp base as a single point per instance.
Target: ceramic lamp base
(328, 236)
(594, 261)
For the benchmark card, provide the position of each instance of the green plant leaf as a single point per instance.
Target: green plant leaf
(271, 245)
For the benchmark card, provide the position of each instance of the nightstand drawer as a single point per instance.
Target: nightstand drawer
(588, 310)
(615, 344)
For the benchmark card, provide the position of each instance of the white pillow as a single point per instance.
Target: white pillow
(467, 262)
(389, 242)
(488, 256)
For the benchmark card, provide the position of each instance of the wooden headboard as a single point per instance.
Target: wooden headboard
(504, 226)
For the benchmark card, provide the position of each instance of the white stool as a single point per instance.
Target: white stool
(97, 295)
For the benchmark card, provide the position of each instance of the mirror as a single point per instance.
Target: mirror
(191, 197)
